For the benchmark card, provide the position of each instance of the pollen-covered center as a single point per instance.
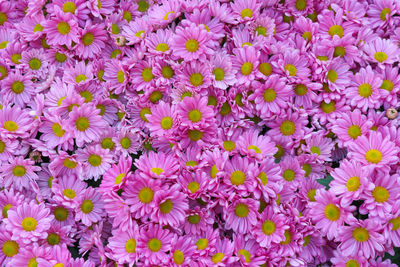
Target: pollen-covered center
(94, 160)
(373, 156)
(246, 13)
(195, 115)
(287, 127)
(238, 177)
(353, 183)
(241, 210)
(196, 79)
(300, 89)
(360, 234)
(332, 212)
(178, 257)
(268, 227)
(195, 135)
(384, 12)
(166, 123)
(269, 95)
(162, 47)
(246, 68)
(147, 74)
(29, 224)
(291, 69)
(354, 131)
(380, 194)
(69, 7)
(10, 248)
(69, 193)
(10, 126)
(193, 186)
(19, 171)
(194, 219)
(35, 64)
(328, 107)
(289, 175)
(219, 74)
(365, 90)
(192, 45)
(154, 244)
(336, 30)
(387, 85)
(60, 214)
(146, 195)
(332, 76)
(265, 68)
(63, 28)
(53, 239)
(380, 56)
(82, 124)
(87, 38)
(130, 245)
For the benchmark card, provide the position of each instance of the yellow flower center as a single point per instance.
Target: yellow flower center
(328, 107)
(16, 58)
(95, 160)
(192, 45)
(130, 245)
(213, 171)
(196, 79)
(107, 143)
(229, 145)
(178, 257)
(352, 263)
(300, 89)
(269, 95)
(38, 28)
(354, 131)
(82, 124)
(127, 15)
(125, 142)
(291, 69)
(219, 74)
(157, 171)
(288, 238)
(246, 13)
(35, 64)
(307, 168)
(166, 123)
(340, 51)
(167, 14)
(311, 194)
(246, 68)
(80, 78)
(58, 131)
(256, 149)
(19, 171)
(154, 244)
(289, 175)
(360, 234)
(29, 224)
(87, 39)
(387, 85)
(225, 109)
(121, 76)
(307, 36)
(17, 87)
(193, 219)
(396, 223)
(5, 209)
(195, 115)
(53, 239)
(373, 156)
(301, 4)
(10, 248)
(162, 47)
(238, 178)
(147, 74)
(332, 212)
(241, 210)
(69, 7)
(265, 68)
(166, 206)
(287, 128)
(146, 195)
(61, 214)
(384, 12)
(380, 56)
(380, 194)
(332, 76)
(10, 126)
(195, 135)
(260, 30)
(69, 193)
(3, 18)
(217, 257)
(63, 28)
(353, 183)
(193, 186)
(365, 90)
(143, 6)
(60, 57)
(246, 254)
(202, 243)
(315, 150)
(167, 72)
(336, 30)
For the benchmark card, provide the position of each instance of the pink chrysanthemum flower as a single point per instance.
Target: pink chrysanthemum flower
(267, 180)
(154, 242)
(222, 256)
(170, 207)
(240, 175)
(292, 65)
(198, 220)
(241, 215)
(62, 29)
(64, 164)
(247, 251)
(96, 161)
(19, 173)
(136, 30)
(195, 74)
(142, 76)
(381, 13)
(55, 134)
(116, 75)
(374, 150)
(164, 14)
(350, 125)
(337, 76)
(123, 244)
(9, 247)
(271, 96)
(157, 165)
(390, 85)
(191, 43)
(332, 23)
(318, 145)
(350, 182)
(58, 236)
(92, 39)
(224, 74)
(304, 93)
(289, 127)
(86, 123)
(270, 227)
(327, 213)
(363, 92)
(340, 260)
(14, 122)
(67, 190)
(35, 62)
(28, 222)
(252, 144)
(291, 172)
(159, 43)
(245, 63)
(361, 238)
(18, 88)
(75, 7)
(382, 52)
(33, 255)
(194, 112)
(79, 73)
(31, 28)
(378, 201)
(193, 183)
(181, 251)
(139, 194)
(90, 207)
(116, 176)
(245, 10)
(9, 199)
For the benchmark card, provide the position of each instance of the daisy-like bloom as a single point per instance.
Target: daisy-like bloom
(343, 261)
(222, 256)
(86, 123)
(116, 75)
(245, 63)
(252, 144)
(270, 227)
(54, 133)
(67, 190)
(350, 182)
(92, 40)
(305, 93)
(364, 90)
(245, 10)
(327, 213)
(292, 64)
(195, 74)
(136, 30)
(318, 145)
(31, 28)
(263, 28)
(108, 109)
(19, 173)
(170, 207)
(337, 76)
(311, 166)
(381, 13)
(123, 244)
(241, 215)
(181, 251)
(62, 29)
(18, 88)
(193, 183)
(224, 74)
(159, 42)
(390, 85)
(374, 151)
(164, 14)
(192, 42)
(271, 96)
(382, 52)
(14, 122)
(127, 141)
(240, 175)
(64, 164)
(36, 62)
(289, 127)
(96, 161)
(139, 194)
(194, 112)
(198, 220)
(9, 247)
(361, 238)
(28, 222)
(58, 236)
(291, 172)
(116, 176)
(75, 7)
(267, 180)
(33, 255)
(378, 201)
(331, 23)
(350, 125)
(79, 73)
(246, 251)
(154, 242)
(90, 207)
(9, 199)
(157, 165)
(142, 76)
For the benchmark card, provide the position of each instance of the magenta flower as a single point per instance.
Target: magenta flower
(123, 244)
(62, 29)
(19, 173)
(241, 215)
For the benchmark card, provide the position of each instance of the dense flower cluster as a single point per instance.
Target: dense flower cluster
(197, 132)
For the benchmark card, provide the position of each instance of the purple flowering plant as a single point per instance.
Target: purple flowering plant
(199, 133)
